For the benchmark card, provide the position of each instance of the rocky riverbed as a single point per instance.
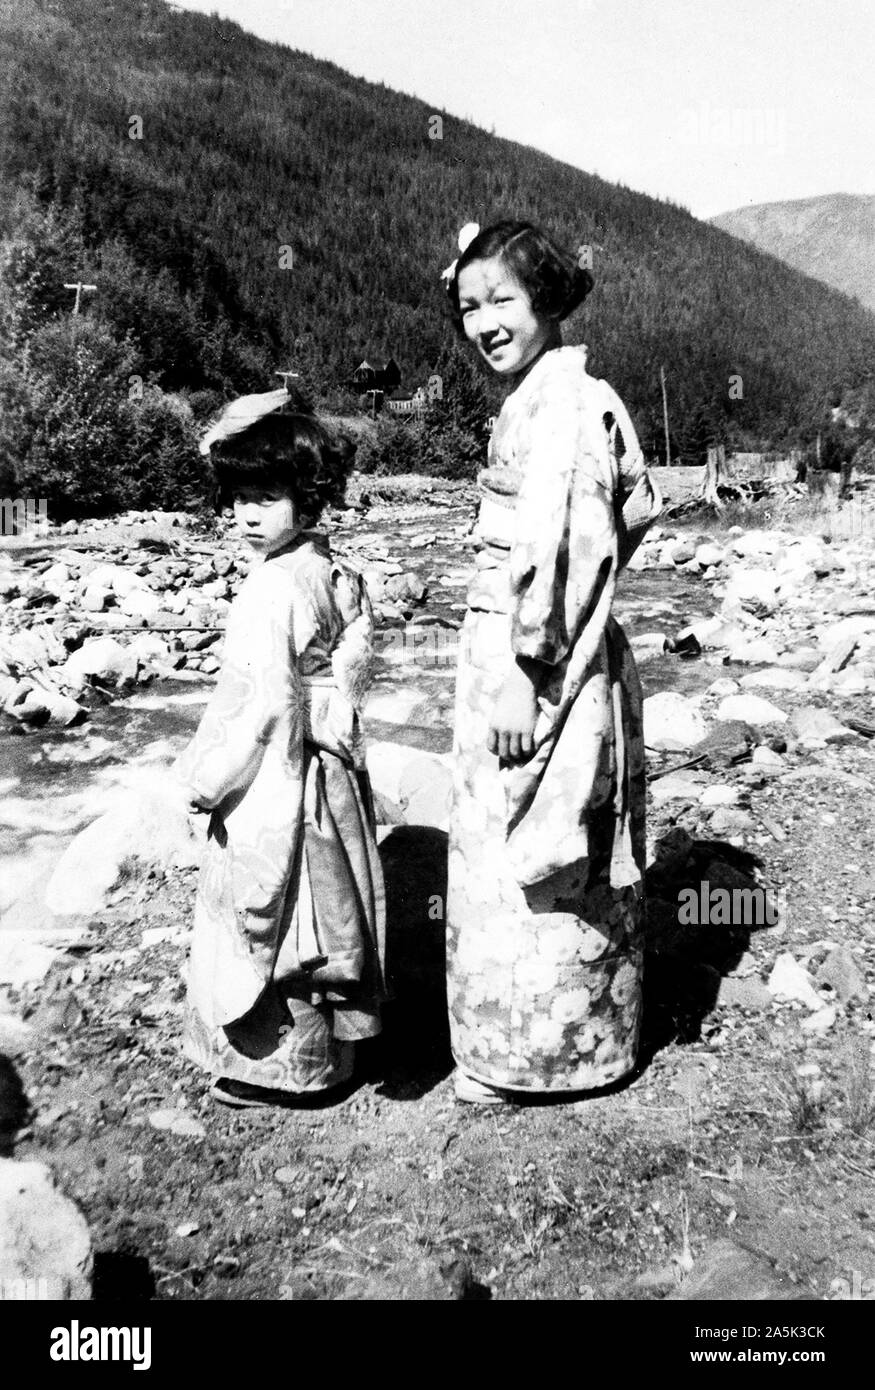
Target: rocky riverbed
(737, 1163)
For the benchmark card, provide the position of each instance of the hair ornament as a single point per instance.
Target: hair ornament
(240, 414)
(466, 236)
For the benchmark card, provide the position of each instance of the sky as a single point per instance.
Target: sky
(713, 104)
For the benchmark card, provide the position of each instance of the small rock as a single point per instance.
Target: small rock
(763, 756)
(749, 993)
(710, 554)
(841, 972)
(791, 982)
(187, 1127)
(672, 722)
(821, 1021)
(727, 820)
(813, 725)
(721, 794)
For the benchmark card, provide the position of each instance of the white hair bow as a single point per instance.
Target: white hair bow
(466, 236)
(240, 414)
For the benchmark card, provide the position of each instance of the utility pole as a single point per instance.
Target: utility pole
(665, 416)
(81, 288)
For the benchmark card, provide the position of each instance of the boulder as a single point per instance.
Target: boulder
(141, 603)
(396, 706)
(23, 961)
(56, 577)
(101, 657)
(757, 651)
(721, 794)
(416, 784)
(728, 820)
(757, 544)
(675, 786)
(680, 551)
(96, 599)
(802, 659)
(833, 634)
(753, 587)
(672, 722)
(763, 756)
(147, 828)
(750, 709)
(44, 1240)
(817, 726)
(646, 644)
(408, 587)
(709, 554)
(774, 678)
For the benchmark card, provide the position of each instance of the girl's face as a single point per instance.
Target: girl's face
(267, 517)
(498, 317)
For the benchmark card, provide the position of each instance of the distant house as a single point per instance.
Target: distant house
(376, 375)
(403, 403)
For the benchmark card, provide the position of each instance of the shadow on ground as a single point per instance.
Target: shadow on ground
(686, 960)
(14, 1108)
(413, 1054)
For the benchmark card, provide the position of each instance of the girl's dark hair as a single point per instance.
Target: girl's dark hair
(553, 279)
(291, 450)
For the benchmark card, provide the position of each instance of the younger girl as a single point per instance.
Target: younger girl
(287, 956)
(547, 833)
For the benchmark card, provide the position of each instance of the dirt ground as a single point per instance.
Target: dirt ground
(397, 1191)
(736, 1163)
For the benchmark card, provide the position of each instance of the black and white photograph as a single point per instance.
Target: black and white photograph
(437, 664)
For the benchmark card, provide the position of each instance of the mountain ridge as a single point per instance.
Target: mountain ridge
(830, 236)
(250, 148)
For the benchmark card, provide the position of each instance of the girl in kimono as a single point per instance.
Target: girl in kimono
(547, 849)
(286, 968)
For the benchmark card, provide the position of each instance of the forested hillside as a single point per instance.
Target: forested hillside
(242, 206)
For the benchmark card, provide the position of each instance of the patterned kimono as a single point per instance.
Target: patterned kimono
(547, 858)
(288, 950)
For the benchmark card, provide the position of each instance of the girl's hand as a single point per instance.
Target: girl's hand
(511, 735)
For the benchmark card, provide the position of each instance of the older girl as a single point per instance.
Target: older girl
(286, 967)
(547, 832)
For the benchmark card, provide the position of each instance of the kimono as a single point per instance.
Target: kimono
(288, 949)
(546, 858)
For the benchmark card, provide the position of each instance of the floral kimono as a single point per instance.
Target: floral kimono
(547, 857)
(286, 967)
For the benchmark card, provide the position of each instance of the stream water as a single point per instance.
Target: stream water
(54, 783)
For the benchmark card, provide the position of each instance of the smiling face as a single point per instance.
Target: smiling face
(497, 316)
(267, 516)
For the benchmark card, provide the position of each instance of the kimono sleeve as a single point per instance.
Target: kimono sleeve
(565, 535)
(258, 690)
